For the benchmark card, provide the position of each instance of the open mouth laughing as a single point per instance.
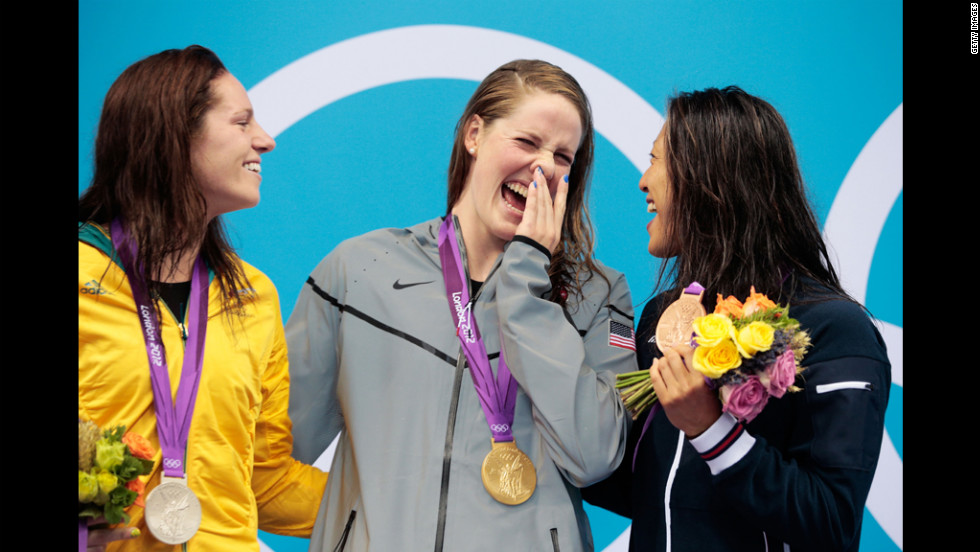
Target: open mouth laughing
(515, 196)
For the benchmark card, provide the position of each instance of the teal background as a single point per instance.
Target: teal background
(834, 69)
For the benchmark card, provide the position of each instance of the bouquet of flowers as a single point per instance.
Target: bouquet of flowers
(748, 351)
(109, 465)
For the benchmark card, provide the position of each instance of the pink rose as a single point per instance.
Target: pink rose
(780, 374)
(746, 400)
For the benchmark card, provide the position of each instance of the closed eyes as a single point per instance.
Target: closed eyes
(565, 159)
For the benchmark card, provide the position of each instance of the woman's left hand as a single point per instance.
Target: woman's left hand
(543, 218)
(100, 534)
(690, 405)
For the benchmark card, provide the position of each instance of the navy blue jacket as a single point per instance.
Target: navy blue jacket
(798, 474)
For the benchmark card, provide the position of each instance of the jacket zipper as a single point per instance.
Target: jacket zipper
(448, 453)
(554, 539)
(343, 539)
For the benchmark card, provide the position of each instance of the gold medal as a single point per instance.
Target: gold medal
(675, 324)
(508, 474)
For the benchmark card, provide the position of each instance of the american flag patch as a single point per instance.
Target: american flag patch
(621, 335)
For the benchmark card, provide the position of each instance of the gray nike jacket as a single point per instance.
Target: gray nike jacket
(374, 355)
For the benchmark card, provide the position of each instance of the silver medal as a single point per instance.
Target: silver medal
(173, 512)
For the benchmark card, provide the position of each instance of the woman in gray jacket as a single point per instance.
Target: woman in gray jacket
(469, 361)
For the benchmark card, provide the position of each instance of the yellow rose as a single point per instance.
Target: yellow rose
(712, 329)
(754, 337)
(107, 482)
(88, 487)
(715, 361)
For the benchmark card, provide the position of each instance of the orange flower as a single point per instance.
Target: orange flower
(757, 302)
(138, 445)
(137, 486)
(730, 307)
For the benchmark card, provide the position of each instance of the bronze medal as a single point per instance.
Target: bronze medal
(508, 474)
(675, 324)
(173, 512)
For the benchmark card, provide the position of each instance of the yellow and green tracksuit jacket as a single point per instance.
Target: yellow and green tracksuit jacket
(239, 447)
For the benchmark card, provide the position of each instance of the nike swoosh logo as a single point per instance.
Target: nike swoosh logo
(399, 285)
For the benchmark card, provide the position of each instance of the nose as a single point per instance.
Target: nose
(643, 187)
(547, 163)
(262, 142)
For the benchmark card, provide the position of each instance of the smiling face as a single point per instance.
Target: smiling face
(225, 154)
(544, 130)
(656, 185)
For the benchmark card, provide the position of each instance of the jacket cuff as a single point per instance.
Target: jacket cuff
(534, 244)
(723, 444)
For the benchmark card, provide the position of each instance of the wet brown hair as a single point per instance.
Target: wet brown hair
(741, 216)
(143, 174)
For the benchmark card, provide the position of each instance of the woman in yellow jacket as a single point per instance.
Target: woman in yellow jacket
(178, 339)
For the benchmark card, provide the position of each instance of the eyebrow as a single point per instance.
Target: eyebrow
(235, 112)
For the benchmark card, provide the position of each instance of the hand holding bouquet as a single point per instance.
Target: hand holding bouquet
(109, 465)
(748, 351)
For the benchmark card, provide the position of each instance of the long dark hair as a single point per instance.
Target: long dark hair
(497, 97)
(741, 217)
(143, 173)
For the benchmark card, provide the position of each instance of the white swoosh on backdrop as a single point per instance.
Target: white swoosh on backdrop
(853, 227)
(444, 52)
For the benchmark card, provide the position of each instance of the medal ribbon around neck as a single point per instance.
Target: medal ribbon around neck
(497, 396)
(173, 422)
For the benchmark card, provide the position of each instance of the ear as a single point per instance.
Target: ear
(474, 128)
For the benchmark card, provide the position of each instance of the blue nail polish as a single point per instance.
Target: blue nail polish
(565, 178)
(540, 170)
(535, 183)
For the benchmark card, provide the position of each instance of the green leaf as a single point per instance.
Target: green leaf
(147, 466)
(114, 514)
(129, 468)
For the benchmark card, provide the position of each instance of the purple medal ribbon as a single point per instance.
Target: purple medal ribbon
(173, 422)
(497, 396)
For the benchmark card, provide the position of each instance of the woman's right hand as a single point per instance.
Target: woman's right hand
(100, 534)
(690, 405)
(543, 217)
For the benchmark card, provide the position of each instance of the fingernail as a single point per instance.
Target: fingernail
(540, 170)
(535, 183)
(565, 178)
(135, 532)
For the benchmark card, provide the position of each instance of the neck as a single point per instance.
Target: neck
(482, 249)
(179, 269)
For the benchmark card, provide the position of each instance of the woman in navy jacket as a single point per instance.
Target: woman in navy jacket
(731, 213)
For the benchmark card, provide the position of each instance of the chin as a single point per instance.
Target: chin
(658, 250)
(505, 235)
